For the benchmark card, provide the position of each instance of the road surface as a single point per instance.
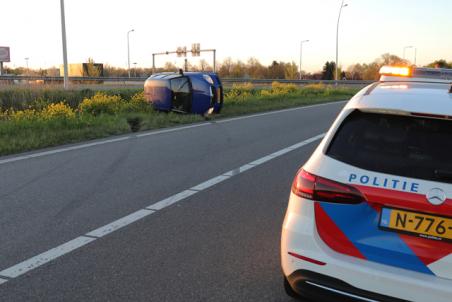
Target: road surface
(159, 216)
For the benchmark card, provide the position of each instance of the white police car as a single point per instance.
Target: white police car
(370, 213)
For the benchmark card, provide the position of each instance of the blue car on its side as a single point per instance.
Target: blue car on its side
(186, 92)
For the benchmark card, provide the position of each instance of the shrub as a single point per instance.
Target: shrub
(137, 103)
(39, 104)
(57, 111)
(317, 86)
(285, 87)
(266, 92)
(317, 89)
(240, 91)
(134, 123)
(101, 103)
(22, 115)
(282, 88)
(19, 98)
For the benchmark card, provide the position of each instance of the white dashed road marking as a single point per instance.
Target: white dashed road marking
(120, 223)
(171, 200)
(209, 183)
(37, 261)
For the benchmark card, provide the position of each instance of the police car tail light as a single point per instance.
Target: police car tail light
(398, 71)
(317, 188)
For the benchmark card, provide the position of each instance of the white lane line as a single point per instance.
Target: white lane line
(171, 200)
(209, 183)
(261, 160)
(50, 152)
(172, 130)
(120, 223)
(78, 242)
(281, 152)
(239, 170)
(37, 261)
(306, 142)
(153, 132)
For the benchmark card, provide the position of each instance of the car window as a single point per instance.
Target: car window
(180, 85)
(155, 83)
(200, 85)
(402, 145)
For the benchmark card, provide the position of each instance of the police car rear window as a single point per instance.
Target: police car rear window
(401, 145)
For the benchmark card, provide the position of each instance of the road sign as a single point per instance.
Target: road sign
(4, 54)
(181, 51)
(196, 49)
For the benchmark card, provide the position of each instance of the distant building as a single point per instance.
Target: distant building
(84, 70)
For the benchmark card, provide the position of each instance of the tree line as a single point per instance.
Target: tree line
(253, 69)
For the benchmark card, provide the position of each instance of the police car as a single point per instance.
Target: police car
(370, 213)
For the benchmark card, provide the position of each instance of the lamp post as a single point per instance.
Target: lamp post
(26, 62)
(337, 39)
(301, 53)
(63, 33)
(404, 50)
(128, 50)
(415, 55)
(135, 68)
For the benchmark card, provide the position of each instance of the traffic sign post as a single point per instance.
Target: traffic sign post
(196, 50)
(182, 52)
(4, 57)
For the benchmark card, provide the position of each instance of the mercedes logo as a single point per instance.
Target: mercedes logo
(436, 196)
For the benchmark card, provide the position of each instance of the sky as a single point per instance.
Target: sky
(267, 30)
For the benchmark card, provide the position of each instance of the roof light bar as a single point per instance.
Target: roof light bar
(413, 72)
(399, 71)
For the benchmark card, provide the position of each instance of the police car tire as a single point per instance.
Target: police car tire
(289, 291)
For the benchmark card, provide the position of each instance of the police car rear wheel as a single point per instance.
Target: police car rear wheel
(289, 291)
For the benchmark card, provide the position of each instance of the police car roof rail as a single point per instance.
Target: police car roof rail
(432, 73)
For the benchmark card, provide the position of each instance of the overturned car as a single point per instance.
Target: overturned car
(185, 92)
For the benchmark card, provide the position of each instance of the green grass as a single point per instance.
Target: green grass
(26, 135)
(20, 98)
(255, 104)
(30, 135)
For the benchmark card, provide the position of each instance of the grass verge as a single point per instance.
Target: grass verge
(22, 131)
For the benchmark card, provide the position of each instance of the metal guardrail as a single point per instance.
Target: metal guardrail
(305, 82)
(47, 79)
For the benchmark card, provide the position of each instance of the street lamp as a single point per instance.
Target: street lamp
(415, 55)
(415, 52)
(128, 50)
(301, 53)
(26, 61)
(404, 50)
(63, 33)
(337, 39)
(135, 68)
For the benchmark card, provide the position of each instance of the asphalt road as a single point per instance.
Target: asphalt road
(220, 244)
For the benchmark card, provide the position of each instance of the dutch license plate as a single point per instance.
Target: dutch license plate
(418, 224)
